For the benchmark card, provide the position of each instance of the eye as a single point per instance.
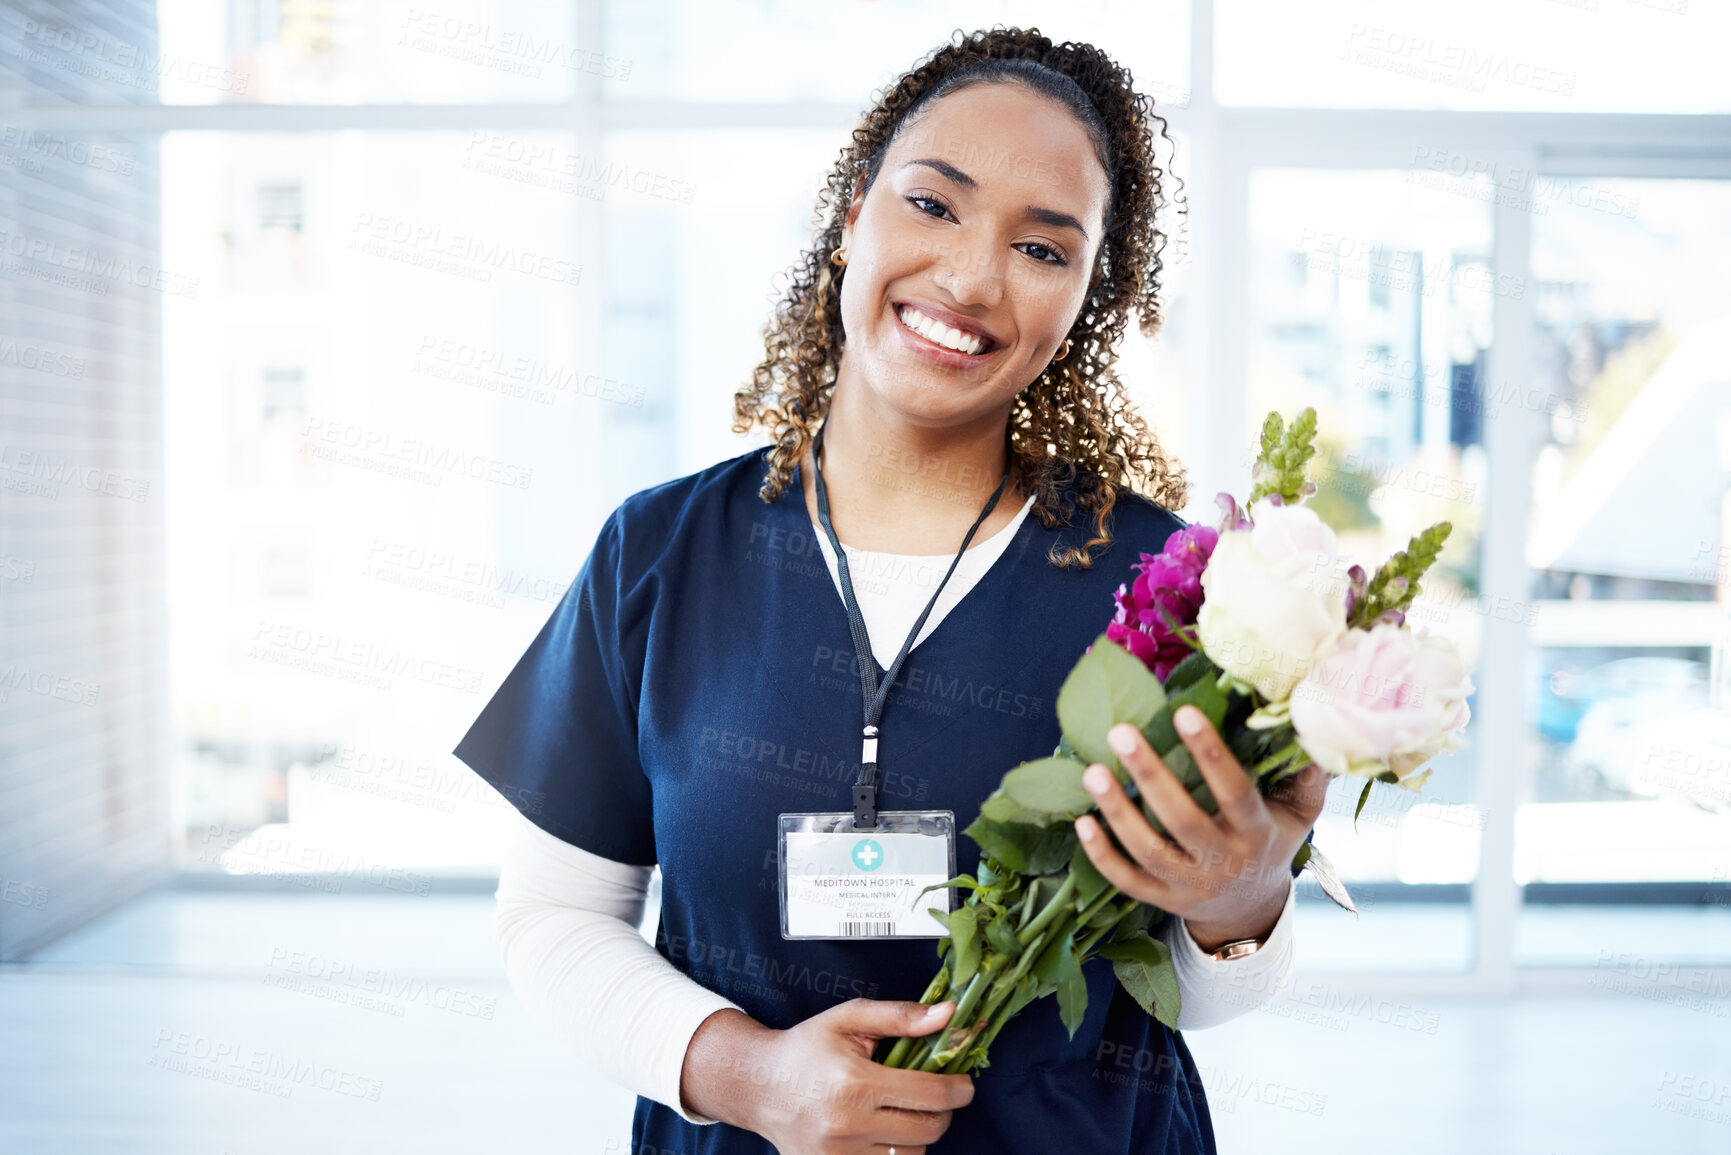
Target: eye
(919, 201)
(1044, 254)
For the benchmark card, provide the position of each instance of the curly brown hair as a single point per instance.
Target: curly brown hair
(1073, 425)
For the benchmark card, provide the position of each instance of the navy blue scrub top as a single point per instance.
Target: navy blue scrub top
(697, 680)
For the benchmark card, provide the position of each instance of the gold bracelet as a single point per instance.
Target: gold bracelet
(1239, 949)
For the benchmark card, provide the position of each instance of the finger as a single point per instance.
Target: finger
(908, 1130)
(1303, 796)
(1234, 792)
(885, 1019)
(1138, 883)
(923, 1090)
(1134, 834)
(1190, 825)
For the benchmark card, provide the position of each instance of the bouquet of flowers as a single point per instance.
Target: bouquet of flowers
(1292, 661)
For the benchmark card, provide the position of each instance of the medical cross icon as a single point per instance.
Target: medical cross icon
(867, 855)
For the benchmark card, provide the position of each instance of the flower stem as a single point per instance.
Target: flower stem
(1053, 910)
(935, 991)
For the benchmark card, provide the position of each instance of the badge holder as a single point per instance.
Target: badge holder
(841, 881)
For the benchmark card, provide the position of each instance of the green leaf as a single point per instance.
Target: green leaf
(1192, 669)
(965, 881)
(1205, 694)
(943, 917)
(1049, 966)
(1090, 883)
(1182, 763)
(1107, 686)
(1137, 921)
(1363, 797)
(1302, 857)
(1072, 987)
(1024, 849)
(1104, 917)
(1000, 841)
(1203, 795)
(1144, 966)
(1050, 785)
(1001, 935)
(965, 933)
(1000, 807)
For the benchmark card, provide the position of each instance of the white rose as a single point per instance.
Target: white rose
(1385, 698)
(1271, 599)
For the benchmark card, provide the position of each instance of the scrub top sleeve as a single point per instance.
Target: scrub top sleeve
(559, 738)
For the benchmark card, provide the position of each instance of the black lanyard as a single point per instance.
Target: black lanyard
(873, 695)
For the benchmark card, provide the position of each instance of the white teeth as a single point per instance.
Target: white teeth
(940, 333)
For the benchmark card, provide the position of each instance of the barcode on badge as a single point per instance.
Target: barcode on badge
(867, 929)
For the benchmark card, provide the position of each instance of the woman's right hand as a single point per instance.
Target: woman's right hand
(814, 1089)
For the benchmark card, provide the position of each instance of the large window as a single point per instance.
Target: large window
(466, 278)
(1630, 745)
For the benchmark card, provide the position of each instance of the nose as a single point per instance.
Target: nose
(973, 275)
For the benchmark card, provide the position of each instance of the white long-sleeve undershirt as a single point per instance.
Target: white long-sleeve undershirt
(568, 921)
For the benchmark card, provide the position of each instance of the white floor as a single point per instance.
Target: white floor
(222, 1024)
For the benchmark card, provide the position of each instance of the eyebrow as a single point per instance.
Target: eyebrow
(1034, 212)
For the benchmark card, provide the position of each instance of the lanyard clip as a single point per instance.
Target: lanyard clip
(865, 788)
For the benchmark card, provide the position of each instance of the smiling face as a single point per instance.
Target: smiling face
(971, 254)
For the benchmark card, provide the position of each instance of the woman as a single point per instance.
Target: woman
(946, 343)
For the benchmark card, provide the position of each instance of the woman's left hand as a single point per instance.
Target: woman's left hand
(1226, 874)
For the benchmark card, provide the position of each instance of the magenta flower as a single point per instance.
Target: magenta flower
(1167, 594)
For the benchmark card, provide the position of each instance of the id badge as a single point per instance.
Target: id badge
(838, 882)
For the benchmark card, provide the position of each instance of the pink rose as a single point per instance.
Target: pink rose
(1385, 698)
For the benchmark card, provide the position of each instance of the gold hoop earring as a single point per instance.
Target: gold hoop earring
(839, 256)
(1063, 350)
